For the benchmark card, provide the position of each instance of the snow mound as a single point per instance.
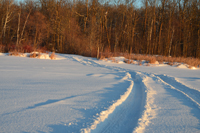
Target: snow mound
(182, 66)
(193, 67)
(59, 57)
(157, 63)
(22, 55)
(119, 60)
(39, 55)
(43, 56)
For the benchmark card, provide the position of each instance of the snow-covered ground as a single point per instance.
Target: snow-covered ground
(81, 94)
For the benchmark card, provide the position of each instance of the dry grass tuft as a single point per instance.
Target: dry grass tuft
(128, 61)
(132, 62)
(152, 60)
(101, 57)
(140, 63)
(112, 59)
(33, 55)
(16, 53)
(170, 63)
(129, 58)
(160, 59)
(53, 56)
(147, 64)
(39, 55)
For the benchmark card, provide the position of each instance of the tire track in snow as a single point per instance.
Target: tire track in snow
(91, 62)
(192, 94)
(104, 117)
(150, 108)
(124, 118)
(174, 109)
(134, 113)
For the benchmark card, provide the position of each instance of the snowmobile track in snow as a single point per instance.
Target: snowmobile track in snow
(192, 94)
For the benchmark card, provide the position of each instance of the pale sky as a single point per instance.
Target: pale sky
(138, 2)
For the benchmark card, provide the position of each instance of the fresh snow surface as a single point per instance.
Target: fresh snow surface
(81, 94)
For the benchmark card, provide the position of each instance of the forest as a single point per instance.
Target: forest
(90, 27)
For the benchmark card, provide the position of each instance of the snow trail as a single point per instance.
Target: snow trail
(125, 116)
(150, 108)
(149, 82)
(115, 118)
(171, 104)
(192, 94)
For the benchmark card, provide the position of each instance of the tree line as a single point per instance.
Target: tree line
(90, 27)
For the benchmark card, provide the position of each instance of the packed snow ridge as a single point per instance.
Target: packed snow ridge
(104, 114)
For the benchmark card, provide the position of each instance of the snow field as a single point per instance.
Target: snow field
(80, 94)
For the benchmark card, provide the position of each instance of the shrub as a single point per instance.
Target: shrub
(27, 48)
(152, 60)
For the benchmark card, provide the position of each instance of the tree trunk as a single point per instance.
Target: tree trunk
(170, 45)
(24, 27)
(159, 39)
(198, 45)
(149, 38)
(17, 44)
